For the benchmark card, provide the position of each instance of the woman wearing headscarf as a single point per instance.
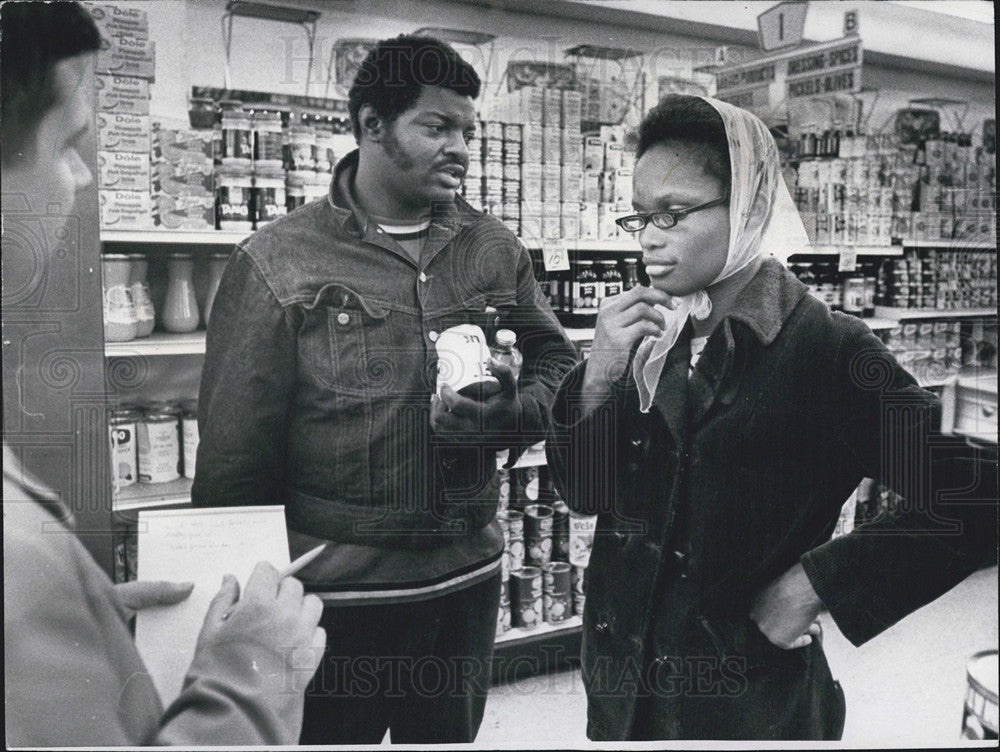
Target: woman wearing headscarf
(720, 423)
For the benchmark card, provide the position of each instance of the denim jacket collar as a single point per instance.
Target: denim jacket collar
(446, 218)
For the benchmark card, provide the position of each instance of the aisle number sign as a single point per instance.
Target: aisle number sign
(827, 68)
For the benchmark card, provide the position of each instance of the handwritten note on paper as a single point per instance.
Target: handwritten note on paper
(199, 546)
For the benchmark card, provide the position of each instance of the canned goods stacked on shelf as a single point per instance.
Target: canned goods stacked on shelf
(531, 166)
(546, 551)
(865, 190)
(947, 279)
(156, 442)
(850, 292)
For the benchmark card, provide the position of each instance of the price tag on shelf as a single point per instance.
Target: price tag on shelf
(555, 256)
(848, 259)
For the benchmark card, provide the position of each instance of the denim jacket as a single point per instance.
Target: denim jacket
(321, 364)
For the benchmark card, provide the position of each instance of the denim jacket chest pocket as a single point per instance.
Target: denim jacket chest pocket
(344, 340)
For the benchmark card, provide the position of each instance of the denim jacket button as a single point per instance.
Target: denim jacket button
(432, 336)
(343, 319)
(422, 277)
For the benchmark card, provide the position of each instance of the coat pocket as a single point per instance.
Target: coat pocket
(344, 340)
(742, 637)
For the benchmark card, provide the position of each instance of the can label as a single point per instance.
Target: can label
(159, 451)
(124, 459)
(189, 439)
(526, 597)
(581, 538)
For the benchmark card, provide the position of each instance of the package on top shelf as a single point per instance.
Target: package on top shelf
(186, 178)
(184, 212)
(122, 94)
(125, 210)
(593, 153)
(123, 132)
(572, 148)
(180, 145)
(572, 182)
(532, 143)
(551, 144)
(589, 216)
(119, 20)
(552, 107)
(572, 110)
(126, 56)
(622, 193)
(123, 171)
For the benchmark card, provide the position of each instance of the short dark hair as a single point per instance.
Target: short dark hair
(692, 120)
(36, 36)
(392, 75)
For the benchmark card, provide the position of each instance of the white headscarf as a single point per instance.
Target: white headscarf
(763, 221)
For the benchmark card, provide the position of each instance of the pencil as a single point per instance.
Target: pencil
(300, 562)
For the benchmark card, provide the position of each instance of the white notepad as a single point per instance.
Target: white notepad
(199, 546)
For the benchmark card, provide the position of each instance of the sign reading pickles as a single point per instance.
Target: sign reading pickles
(764, 84)
(825, 71)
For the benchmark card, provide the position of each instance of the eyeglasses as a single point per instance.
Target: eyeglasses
(665, 219)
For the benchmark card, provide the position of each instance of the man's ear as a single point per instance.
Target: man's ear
(372, 126)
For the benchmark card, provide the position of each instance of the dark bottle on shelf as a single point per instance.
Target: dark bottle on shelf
(611, 278)
(630, 273)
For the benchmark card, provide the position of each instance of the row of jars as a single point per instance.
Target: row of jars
(261, 138)
(129, 310)
(246, 199)
(156, 442)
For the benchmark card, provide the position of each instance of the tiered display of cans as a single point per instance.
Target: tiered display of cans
(531, 166)
(546, 551)
(939, 279)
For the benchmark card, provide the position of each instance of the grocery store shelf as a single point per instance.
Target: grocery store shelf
(572, 624)
(860, 250)
(877, 324)
(897, 314)
(160, 343)
(179, 237)
(580, 335)
(142, 495)
(950, 243)
(611, 245)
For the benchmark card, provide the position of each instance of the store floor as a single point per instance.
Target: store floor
(904, 688)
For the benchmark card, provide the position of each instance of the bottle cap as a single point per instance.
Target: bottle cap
(506, 338)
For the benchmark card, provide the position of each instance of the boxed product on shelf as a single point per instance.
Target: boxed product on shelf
(593, 154)
(552, 107)
(117, 21)
(126, 95)
(551, 144)
(572, 109)
(118, 132)
(127, 56)
(126, 210)
(180, 145)
(182, 212)
(123, 171)
(190, 178)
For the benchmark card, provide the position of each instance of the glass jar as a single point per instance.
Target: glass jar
(269, 201)
(124, 457)
(630, 278)
(268, 146)
(121, 323)
(180, 310)
(299, 149)
(324, 157)
(233, 184)
(295, 190)
(317, 186)
(611, 278)
(237, 137)
(145, 313)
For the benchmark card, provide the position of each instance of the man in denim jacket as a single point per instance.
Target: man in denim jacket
(317, 394)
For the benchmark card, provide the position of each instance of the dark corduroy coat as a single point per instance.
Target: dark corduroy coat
(737, 473)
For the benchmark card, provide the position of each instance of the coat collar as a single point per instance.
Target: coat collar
(355, 220)
(767, 300)
(761, 308)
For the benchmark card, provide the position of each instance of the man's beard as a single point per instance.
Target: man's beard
(395, 152)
